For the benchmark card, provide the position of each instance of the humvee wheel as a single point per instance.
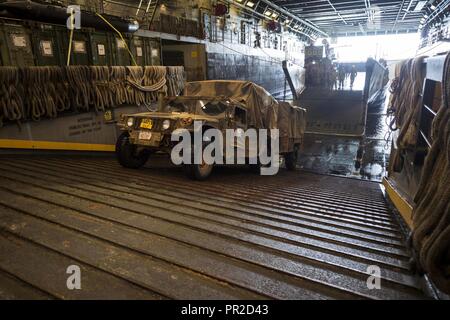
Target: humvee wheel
(291, 159)
(126, 153)
(198, 172)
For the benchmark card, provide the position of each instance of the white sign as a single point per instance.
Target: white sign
(19, 40)
(101, 49)
(139, 51)
(79, 47)
(46, 48)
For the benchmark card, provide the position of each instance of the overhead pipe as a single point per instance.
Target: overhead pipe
(398, 14)
(407, 10)
(29, 10)
(337, 12)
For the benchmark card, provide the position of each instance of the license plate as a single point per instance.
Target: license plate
(145, 135)
(146, 123)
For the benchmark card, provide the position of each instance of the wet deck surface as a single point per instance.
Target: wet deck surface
(153, 234)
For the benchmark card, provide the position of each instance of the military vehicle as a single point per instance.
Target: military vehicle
(216, 104)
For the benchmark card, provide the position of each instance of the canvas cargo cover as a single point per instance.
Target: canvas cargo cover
(291, 121)
(262, 108)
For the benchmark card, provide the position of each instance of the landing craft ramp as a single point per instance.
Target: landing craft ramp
(152, 234)
(340, 112)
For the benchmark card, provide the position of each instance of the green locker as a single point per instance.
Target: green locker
(81, 53)
(102, 48)
(155, 52)
(151, 51)
(121, 55)
(15, 45)
(46, 46)
(146, 51)
(138, 50)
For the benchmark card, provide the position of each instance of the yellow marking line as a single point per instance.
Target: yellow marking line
(402, 205)
(50, 145)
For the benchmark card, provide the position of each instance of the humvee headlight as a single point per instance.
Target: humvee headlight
(186, 122)
(166, 124)
(130, 122)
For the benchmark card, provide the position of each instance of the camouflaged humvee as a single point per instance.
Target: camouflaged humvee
(216, 104)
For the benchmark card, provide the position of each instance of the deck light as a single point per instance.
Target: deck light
(130, 121)
(166, 124)
(250, 4)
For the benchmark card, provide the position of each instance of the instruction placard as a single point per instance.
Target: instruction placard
(101, 49)
(47, 48)
(79, 46)
(139, 51)
(19, 40)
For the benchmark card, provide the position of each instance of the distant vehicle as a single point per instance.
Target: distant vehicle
(216, 104)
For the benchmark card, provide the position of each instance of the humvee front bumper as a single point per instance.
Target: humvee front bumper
(146, 138)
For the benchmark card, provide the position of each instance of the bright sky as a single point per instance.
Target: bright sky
(389, 47)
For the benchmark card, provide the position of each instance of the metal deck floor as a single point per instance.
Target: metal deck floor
(153, 234)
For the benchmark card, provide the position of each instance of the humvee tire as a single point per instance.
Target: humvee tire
(198, 172)
(291, 159)
(125, 153)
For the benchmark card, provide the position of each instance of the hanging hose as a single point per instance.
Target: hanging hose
(404, 107)
(175, 80)
(155, 79)
(118, 77)
(120, 35)
(431, 215)
(135, 77)
(79, 88)
(44, 92)
(405, 104)
(11, 103)
(69, 51)
(101, 88)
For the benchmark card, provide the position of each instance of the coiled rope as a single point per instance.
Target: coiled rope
(431, 215)
(33, 93)
(79, 88)
(101, 88)
(176, 78)
(405, 104)
(118, 84)
(11, 103)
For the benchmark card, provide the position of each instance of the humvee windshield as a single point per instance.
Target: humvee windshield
(214, 108)
(178, 107)
(210, 108)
